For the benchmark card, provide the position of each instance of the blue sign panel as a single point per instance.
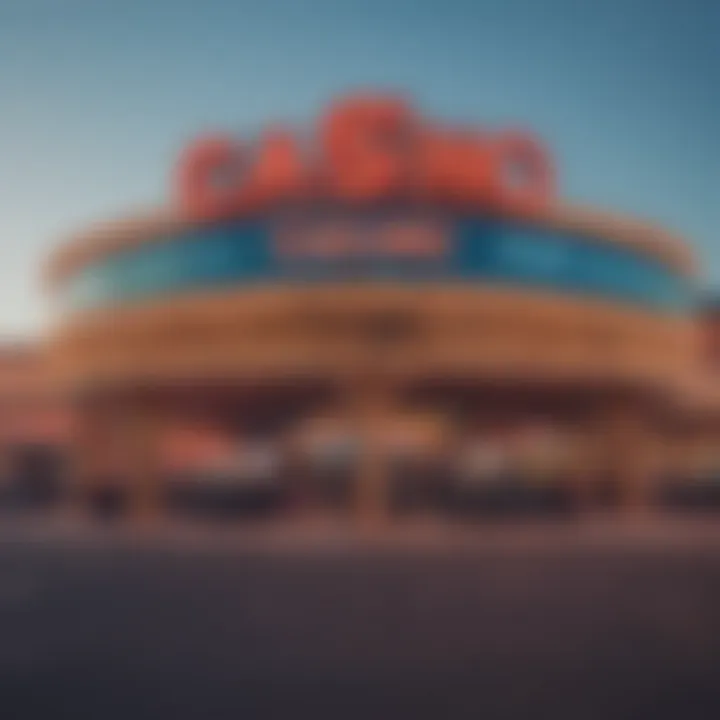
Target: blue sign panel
(381, 248)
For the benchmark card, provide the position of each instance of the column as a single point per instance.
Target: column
(632, 449)
(587, 467)
(368, 401)
(677, 447)
(138, 423)
(87, 454)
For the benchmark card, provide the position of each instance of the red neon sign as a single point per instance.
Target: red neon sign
(366, 150)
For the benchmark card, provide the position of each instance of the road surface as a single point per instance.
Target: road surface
(537, 621)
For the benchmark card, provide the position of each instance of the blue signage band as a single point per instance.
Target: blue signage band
(365, 248)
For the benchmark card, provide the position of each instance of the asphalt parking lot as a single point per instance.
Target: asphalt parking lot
(546, 620)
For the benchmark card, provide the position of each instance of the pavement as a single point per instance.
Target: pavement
(600, 618)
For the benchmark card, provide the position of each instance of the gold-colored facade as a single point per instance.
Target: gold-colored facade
(631, 389)
(407, 284)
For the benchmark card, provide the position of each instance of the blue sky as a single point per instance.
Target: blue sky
(98, 96)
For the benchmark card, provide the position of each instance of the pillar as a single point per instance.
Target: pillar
(368, 404)
(587, 467)
(138, 424)
(88, 453)
(677, 453)
(632, 446)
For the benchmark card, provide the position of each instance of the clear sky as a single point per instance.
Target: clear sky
(98, 96)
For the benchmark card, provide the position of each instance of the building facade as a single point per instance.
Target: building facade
(415, 291)
(35, 425)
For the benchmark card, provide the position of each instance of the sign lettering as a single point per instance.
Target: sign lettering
(367, 150)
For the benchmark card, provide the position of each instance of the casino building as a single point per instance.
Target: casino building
(413, 296)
